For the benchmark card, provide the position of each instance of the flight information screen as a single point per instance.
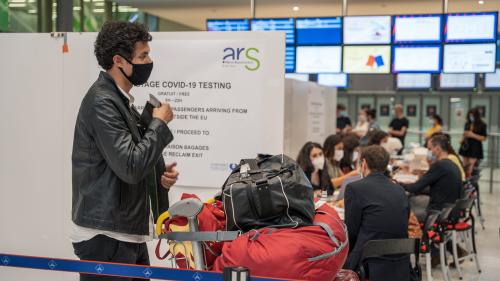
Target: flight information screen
(367, 30)
(471, 27)
(285, 24)
(228, 25)
(417, 29)
(319, 31)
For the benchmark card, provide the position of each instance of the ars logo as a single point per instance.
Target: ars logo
(241, 56)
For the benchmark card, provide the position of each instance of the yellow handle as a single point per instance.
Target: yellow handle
(159, 223)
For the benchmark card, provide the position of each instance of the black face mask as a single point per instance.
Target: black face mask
(140, 73)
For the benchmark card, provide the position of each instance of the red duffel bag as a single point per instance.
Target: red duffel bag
(315, 252)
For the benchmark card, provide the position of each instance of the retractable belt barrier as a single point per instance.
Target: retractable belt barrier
(111, 269)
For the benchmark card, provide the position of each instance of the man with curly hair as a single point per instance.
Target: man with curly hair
(120, 181)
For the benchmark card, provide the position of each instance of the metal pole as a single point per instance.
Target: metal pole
(199, 262)
(82, 17)
(64, 16)
(45, 16)
(492, 161)
(252, 9)
(344, 7)
(108, 10)
(445, 6)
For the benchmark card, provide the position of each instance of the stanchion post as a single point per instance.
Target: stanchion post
(493, 160)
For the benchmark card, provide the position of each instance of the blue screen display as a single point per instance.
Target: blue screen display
(286, 25)
(319, 31)
(290, 59)
(228, 25)
(498, 48)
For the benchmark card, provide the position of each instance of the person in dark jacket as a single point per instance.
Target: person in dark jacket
(312, 161)
(443, 178)
(376, 208)
(120, 181)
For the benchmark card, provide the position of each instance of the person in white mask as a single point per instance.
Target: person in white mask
(363, 125)
(312, 161)
(334, 153)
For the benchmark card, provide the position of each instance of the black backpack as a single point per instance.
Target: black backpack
(269, 191)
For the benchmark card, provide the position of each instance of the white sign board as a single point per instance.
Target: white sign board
(227, 96)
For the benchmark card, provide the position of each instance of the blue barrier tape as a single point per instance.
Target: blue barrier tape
(114, 269)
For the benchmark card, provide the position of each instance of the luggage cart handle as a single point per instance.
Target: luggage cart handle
(201, 236)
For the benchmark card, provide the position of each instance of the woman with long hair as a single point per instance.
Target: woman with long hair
(312, 161)
(471, 148)
(334, 153)
(437, 126)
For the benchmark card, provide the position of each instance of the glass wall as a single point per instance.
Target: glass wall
(88, 15)
(18, 16)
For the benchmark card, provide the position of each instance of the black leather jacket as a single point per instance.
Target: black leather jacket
(112, 161)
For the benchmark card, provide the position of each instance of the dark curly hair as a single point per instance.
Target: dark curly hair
(118, 38)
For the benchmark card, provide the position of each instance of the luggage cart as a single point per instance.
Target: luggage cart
(193, 240)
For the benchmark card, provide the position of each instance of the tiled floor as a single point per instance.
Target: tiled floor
(488, 242)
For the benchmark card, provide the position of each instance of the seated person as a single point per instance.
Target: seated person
(378, 137)
(453, 156)
(348, 162)
(334, 152)
(312, 161)
(376, 208)
(443, 177)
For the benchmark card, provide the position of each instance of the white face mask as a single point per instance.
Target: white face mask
(319, 162)
(430, 156)
(355, 156)
(339, 154)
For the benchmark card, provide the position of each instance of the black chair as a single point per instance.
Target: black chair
(427, 236)
(382, 249)
(442, 223)
(463, 224)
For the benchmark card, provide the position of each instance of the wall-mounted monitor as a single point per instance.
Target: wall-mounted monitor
(367, 59)
(416, 59)
(228, 25)
(457, 81)
(318, 31)
(417, 29)
(469, 58)
(364, 30)
(492, 80)
(290, 59)
(333, 80)
(318, 59)
(281, 24)
(414, 81)
(471, 27)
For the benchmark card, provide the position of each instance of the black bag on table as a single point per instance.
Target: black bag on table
(267, 191)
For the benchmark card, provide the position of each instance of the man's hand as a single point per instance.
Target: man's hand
(164, 112)
(169, 178)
